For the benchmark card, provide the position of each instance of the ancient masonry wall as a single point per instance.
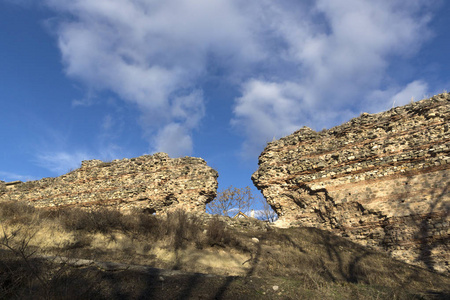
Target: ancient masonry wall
(382, 180)
(155, 183)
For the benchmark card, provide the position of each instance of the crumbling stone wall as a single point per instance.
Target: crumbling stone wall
(155, 183)
(382, 180)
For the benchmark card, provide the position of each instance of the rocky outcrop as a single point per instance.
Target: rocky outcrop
(155, 183)
(382, 180)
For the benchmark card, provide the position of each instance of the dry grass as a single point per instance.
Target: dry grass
(305, 263)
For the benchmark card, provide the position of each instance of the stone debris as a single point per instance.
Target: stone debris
(381, 180)
(154, 183)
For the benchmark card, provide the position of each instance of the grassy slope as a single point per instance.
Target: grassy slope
(295, 263)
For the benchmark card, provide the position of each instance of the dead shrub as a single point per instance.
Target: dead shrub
(74, 219)
(35, 278)
(217, 234)
(17, 212)
(181, 228)
(13, 274)
(177, 228)
(101, 220)
(141, 224)
(147, 223)
(105, 220)
(25, 275)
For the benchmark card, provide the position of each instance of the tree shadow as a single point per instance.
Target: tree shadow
(429, 227)
(424, 234)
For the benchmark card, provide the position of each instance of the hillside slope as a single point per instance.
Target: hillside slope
(104, 254)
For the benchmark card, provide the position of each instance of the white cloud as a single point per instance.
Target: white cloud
(296, 62)
(414, 91)
(381, 100)
(174, 139)
(54, 151)
(181, 116)
(87, 100)
(150, 52)
(61, 162)
(56, 155)
(267, 110)
(339, 53)
(9, 176)
(107, 122)
(188, 109)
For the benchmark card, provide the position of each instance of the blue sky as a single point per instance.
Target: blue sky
(109, 79)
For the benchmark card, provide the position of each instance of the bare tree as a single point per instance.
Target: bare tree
(231, 200)
(267, 213)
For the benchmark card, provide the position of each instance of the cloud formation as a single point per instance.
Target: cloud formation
(380, 100)
(295, 62)
(152, 53)
(61, 162)
(335, 55)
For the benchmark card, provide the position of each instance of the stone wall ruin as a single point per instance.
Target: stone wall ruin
(381, 180)
(155, 183)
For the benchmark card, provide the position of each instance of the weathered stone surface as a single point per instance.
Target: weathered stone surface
(150, 182)
(382, 180)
